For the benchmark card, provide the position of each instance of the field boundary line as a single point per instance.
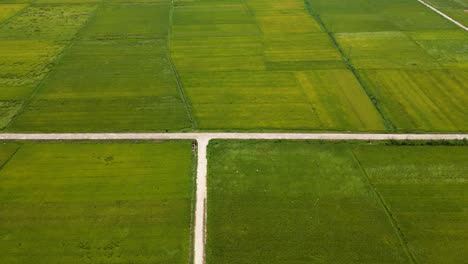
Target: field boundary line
(54, 63)
(180, 87)
(9, 158)
(393, 221)
(443, 15)
(389, 126)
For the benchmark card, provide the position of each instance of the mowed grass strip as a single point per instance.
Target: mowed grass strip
(425, 188)
(294, 202)
(421, 100)
(96, 203)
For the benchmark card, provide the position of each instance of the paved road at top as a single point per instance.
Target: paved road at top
(203, 140)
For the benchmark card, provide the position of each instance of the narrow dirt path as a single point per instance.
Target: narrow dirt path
(203, 140)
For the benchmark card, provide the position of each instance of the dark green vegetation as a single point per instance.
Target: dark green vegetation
(95, 203)
(324, 202)
(275, 65)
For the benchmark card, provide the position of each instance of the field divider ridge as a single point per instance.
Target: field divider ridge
(390, 127)
(180, 87)
(393, 221)
(2, 165)
(443, 15)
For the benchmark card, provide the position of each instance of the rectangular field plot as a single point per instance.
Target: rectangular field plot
(113, 85)
(49, 22)
(425, 188)
(96, 203)
(294, 202)
(449, 47)
(376, 50)
(377, 15)
(322, 100)
(421, 100)
(23, 64)
(264, 77)
(129, 20)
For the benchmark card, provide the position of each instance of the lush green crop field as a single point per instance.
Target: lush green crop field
(300, 202)
(96, 203)
(425, 188)
(135, 91)
(161, 65)
(407, 96)
(411, 61)
(318, 202)
(29, 45)
(115, 77)
(261, 65)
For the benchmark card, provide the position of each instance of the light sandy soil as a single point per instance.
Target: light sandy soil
(203, 140)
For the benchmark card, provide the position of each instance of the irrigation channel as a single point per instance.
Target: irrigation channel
(203, 140)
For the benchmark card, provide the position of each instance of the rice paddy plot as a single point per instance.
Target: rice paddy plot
(129, 20)
(264, 78)
(47, 22)
(374, 50)
(113, 85)
(377, 15)
(425, 189)
(421, 100)
(8, 10)
(302, 202)
(23, 64)
(450, 48)
(96, 203)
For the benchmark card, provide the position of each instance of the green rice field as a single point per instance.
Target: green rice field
(343, 202)
(232, 65)
(96, 202)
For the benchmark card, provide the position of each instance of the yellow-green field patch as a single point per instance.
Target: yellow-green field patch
(8, 10)
(421, 100)
(50, 22)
